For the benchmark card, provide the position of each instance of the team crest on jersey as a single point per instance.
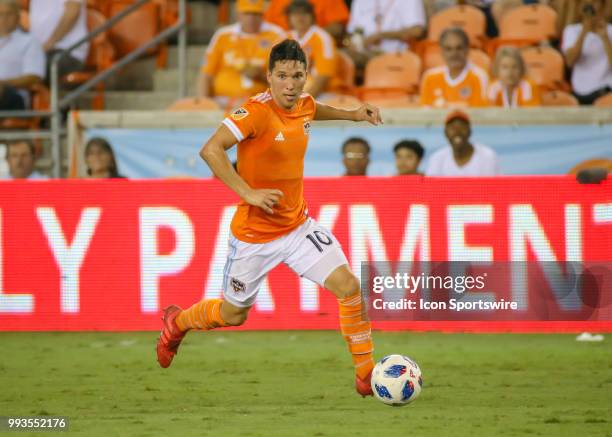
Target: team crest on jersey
(239, 114)
(264, 43)
(465, 92)
(307, 127)
(238, 286)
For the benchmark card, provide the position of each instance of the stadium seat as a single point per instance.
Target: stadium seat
(526, 25)
(168, 12)
(545, 67)
(148, 22)
(393, 74)
(194, 104)
(604, 101)
(592, 163)
(223, 13)
(433, 58)
(101, 56)
(346, 69)
(558, 98)
(469, 18)
(99, 5)
(341, 101)
(40, 102)
(407, 101)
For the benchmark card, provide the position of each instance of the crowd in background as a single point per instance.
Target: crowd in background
(234, 65)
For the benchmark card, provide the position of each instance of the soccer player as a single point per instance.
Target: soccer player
(271, 224)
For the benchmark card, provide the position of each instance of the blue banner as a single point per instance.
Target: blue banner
(524, 150)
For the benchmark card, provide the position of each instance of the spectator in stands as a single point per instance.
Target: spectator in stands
(356, 156)
(588, 51)
(235, 64)
(100, 159)
(57, 25)
(462, 158)
(408, 156)
(511, 89)
(458, 83)
(318, 45)
(331, 15)
(569, 12)
(21, 158)
(383, 26)
(22, 60)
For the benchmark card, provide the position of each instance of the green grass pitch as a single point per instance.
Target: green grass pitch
(301, 384)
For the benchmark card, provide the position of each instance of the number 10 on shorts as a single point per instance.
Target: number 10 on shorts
(319, 239)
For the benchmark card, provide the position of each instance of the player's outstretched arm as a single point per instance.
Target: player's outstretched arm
(365, 112)
(215, 156)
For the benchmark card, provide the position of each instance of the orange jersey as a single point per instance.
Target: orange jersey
(231, 50)
(326, 12)
(271, 147)
(320, 49)
(525, 94)
(469, 89)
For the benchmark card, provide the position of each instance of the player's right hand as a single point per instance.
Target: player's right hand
(264, 198)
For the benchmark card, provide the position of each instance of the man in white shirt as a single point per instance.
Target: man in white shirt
(462, 158)
(58, 24)
(21, 157)
(22, 60)
(383, 26)
(588, 51)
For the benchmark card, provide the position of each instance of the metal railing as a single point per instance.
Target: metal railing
(58, 105)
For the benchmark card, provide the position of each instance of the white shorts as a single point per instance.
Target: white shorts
(310, 250)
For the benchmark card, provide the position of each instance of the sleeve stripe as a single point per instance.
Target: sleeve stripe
(234, 129)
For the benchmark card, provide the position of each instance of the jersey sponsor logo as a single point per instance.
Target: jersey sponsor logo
(279, 137)
(238, 286)
(307, 127)
(239, 114)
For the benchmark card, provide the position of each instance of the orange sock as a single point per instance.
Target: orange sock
(205, 314)
(357, 332)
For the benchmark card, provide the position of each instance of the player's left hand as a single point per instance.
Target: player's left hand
(368, 113)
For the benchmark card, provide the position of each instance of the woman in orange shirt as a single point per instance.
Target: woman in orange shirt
(511, 89)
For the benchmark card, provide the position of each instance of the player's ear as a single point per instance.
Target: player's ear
(269, 77)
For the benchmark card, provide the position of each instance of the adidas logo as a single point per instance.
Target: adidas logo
(279, 137)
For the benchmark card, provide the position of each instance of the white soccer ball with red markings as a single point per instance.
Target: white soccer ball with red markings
(396, 380)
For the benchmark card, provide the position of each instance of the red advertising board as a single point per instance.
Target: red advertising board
(109, 255)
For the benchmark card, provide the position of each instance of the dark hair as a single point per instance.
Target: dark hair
(413, 145)
(356, 140)
(454, 31)
(300, 6)
(286, 50)
(105, 145)
(29, 143)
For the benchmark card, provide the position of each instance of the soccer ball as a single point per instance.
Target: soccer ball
(396, 380)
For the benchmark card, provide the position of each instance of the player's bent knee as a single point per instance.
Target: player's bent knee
(233, 315)
(349, 287)
(237, 319)
(343, 283)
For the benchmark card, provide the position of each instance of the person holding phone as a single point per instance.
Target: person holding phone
(588, 52)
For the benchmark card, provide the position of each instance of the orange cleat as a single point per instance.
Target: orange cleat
(170, 337)
(363, 386)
